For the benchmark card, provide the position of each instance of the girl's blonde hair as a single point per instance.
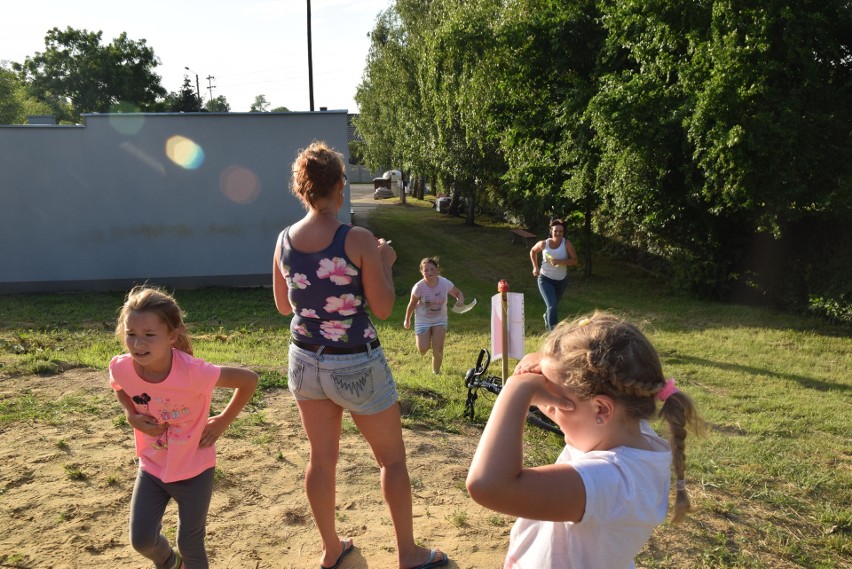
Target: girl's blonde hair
(316, 172)
(433, 260)
(601, 354)
(145, 298)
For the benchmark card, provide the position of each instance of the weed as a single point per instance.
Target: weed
(74, 472)
(458, 518)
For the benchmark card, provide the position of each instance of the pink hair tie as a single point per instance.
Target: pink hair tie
(667, 390)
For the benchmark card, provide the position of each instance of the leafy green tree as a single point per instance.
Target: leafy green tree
(10, 111)
(724, 130)
(218, 105)
(458, 74)
(378, 122)
(15, 103)
(280, 110)
(184, 101)
(709, 142)
(260, 105)
(76, 74)
(545, 75)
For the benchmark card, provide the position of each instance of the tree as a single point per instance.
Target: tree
(260, 104)
(280, 110)
(458, 71)
(218, 105)
(378, 121)
(15, 104)
(10, 110)
(546, 73)
(75, 74)
(711, 143)
(724, 130)
(421, 98)
(184, 101)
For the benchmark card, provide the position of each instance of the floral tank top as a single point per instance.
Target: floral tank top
(325, 291)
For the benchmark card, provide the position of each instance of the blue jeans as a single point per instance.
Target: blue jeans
(551, 291)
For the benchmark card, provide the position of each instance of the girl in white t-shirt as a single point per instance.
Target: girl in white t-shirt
(599, 379)
(429, 305)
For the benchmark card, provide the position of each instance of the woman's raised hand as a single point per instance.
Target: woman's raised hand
(386, 252)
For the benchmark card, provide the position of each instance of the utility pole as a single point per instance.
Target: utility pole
(310, 60)
(210, 85)
(197, 85)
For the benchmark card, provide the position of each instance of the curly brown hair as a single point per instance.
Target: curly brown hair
(601, 354)
(145, 298)
(316, 172)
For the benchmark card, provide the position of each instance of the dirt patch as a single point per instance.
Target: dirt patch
(65, 485)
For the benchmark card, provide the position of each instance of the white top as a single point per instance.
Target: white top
(432, 308)
(627, 495)
(558, 253)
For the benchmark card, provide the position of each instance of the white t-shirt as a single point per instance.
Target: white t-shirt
(432, 308)
(627, 495)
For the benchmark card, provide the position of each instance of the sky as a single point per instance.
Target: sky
(246, 47)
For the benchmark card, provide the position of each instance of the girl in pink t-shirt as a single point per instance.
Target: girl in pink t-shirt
(165, 393)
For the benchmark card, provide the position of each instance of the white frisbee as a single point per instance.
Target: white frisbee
(462, 308)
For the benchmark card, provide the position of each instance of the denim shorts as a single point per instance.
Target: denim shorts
(423, 328)
(362, 383)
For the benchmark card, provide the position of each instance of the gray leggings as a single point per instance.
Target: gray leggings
(150, 497)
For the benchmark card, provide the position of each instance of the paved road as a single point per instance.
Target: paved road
(362, 201)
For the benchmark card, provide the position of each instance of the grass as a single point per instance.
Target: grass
(771, 483)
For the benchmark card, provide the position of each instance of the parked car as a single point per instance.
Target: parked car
(382, 191)
(388, 185)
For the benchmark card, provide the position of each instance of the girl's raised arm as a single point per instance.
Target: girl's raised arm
(498, 479)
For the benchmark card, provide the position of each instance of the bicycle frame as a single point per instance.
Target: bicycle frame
(474, 381)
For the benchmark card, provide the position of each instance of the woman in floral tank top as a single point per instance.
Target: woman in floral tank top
(326, 274)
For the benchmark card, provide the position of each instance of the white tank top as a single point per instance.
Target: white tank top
(558, 253)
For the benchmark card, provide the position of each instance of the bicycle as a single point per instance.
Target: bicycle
(474, 381)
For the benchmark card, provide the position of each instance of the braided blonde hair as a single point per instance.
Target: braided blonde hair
(601, 354)
(145, 298)
(316, 172)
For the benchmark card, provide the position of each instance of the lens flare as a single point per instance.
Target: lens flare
(239, 184)
(125, 118)
(143, 157)
(184, 152)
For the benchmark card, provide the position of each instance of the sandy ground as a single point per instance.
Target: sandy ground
(65, 490)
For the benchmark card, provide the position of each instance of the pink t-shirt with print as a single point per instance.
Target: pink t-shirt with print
(182, 400)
